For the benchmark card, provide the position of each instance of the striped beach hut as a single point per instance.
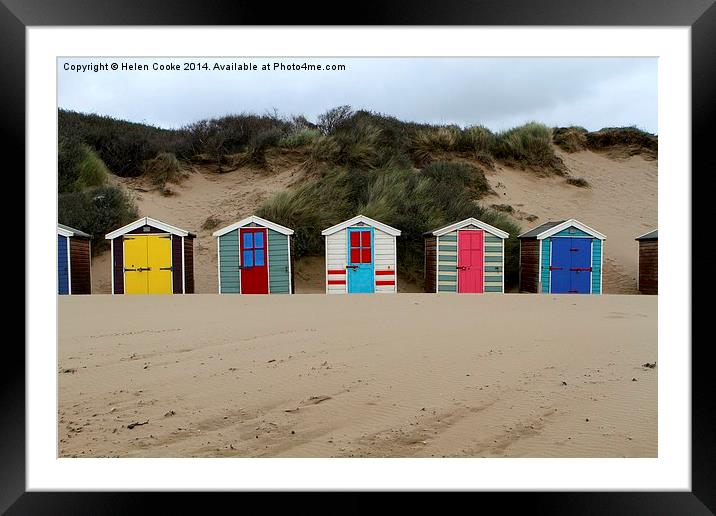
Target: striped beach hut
(254, 257)
(152, 257)
(74, 261)
(561, 257)
(648, 273)
(361, 257)
(465, 257)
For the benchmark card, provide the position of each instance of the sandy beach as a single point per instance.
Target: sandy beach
(408, 375)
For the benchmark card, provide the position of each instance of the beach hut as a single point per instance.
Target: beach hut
(467, 257)
(561, 257)
(361, 257)
(73, 261)
(648, 274)
(254, 257)
(152, 257)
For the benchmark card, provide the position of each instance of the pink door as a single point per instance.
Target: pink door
(469, 261)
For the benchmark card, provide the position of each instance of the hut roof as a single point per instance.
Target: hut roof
(148, 221)
(365, 220)
(550, 228)
(651, 235)
(469, 222)
(256, 220)
(70, 232)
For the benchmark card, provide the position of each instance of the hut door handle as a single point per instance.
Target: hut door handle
(581, 269)
(462, 268)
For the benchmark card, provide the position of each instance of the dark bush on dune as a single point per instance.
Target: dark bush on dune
(622, 136)
(620, 141)
(123, 146)
(69, 154)
(96, 211)
(570, 139)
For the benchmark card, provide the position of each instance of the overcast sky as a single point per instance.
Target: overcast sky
(496, 92)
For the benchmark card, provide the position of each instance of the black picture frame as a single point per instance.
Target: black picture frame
(699, 15)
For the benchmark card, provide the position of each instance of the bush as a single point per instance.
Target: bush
(528, 145)
(570, 139)
(69, 154)
(123, 146)
(96, 211)
(333, 119)
(259, 143)
(624, 142)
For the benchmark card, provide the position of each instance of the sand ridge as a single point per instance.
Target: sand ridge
(413, 375)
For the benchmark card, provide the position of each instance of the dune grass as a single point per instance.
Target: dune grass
(91, 170)
(415, 202)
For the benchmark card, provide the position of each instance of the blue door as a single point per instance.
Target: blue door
(581, 270)
(360, 261)
(561, 262)
(571, 269)
(63, 276)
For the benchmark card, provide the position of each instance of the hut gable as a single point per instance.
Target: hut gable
(270, 270)
(571, 227)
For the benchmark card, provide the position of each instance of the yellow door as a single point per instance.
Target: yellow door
(159, 251)
(135, 265)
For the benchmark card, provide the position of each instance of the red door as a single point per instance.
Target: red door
(469, 261)
(254, 261)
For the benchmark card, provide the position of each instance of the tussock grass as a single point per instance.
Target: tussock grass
(91, 170)
(528, 146)
(211, 222)
(162, 169)
(302, 137)
(578, 181)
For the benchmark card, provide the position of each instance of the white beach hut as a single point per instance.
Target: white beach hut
(361, 257)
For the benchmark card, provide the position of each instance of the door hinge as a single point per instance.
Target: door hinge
(555, 268)
(166, 268)
(581, 269)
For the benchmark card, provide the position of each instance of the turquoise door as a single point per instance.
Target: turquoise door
(360, 261)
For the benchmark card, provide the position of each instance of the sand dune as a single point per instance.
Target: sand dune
(413, 375)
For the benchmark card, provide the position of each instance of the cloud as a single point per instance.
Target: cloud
(496, 92)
